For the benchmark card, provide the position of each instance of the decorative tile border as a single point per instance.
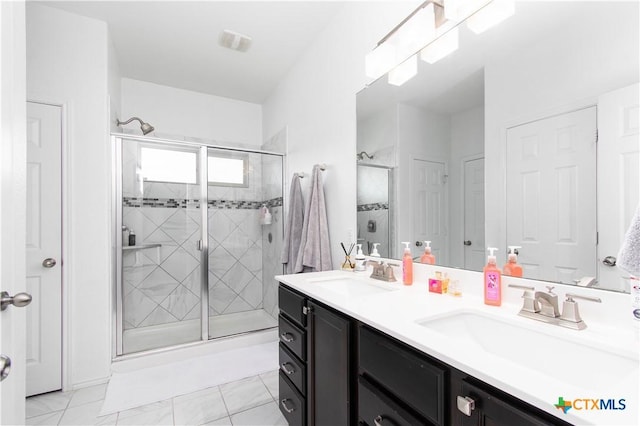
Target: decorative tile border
(373, 206)
(172, 203)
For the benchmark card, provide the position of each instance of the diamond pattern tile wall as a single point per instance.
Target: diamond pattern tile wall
(162, 285)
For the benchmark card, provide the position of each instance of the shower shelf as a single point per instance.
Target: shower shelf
(141, 247)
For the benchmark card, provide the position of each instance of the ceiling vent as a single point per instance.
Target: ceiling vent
(234, 41)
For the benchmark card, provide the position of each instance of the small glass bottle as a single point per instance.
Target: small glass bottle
(132, 238)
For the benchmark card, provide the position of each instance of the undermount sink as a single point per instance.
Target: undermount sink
(569, 361)
(351, 287)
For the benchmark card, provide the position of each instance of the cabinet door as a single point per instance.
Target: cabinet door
(330, 371)
(493, 410)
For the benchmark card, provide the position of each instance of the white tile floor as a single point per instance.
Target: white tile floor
(251, 401)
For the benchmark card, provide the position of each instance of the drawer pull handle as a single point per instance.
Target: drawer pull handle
(287, 337)
(466, 405)
(286, 369)
(283, 402)
(377, 421)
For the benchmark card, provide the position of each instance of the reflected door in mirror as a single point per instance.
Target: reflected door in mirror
(619, 177)
(551, 195)
(430, 208)
(474, 249)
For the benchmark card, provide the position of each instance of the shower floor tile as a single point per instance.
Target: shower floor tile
(250, 401)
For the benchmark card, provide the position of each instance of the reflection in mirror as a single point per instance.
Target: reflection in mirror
(375, 183)
(477, 142)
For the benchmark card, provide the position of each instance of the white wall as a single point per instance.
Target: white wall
(378, 136)
(317, 102)
(467, 139)
(550, 77)
(422, 135)
(67, 64)
(178, 112)
(113, 85)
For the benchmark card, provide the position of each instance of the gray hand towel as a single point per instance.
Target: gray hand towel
(629, 255)
(315, 251)
(293, 228)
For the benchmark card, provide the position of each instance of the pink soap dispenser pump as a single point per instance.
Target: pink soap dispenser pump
(427, 257)
(492, 280)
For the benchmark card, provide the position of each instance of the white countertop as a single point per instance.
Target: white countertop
(538, 383)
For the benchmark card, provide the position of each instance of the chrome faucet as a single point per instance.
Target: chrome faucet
(543, 306)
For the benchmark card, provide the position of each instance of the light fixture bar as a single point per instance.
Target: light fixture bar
(404, 72)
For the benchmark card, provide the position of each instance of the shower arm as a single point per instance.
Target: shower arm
(122, 123)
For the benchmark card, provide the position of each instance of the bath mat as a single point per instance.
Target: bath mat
(153, 384)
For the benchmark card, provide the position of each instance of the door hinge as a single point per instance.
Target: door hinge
(597, 135)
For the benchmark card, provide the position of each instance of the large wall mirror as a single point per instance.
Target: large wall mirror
(527, 135)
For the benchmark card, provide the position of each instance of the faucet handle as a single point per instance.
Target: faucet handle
(570, 310)
(571, 296)
(530, 304)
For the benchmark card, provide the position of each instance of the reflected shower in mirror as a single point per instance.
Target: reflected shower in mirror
(472, 138)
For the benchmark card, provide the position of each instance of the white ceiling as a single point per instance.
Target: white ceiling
(175, 43)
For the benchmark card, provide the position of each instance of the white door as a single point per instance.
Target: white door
(12, 221)
(44, 248)
(474, 250)
(618, 176)
(552, 162)
(430, 209)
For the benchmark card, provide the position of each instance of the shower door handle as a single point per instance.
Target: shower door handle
(199, 245)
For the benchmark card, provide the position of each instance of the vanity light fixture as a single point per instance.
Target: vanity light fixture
(403, 72)
(432, 27)
(443, 46)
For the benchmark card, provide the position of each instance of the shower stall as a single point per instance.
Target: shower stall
(195, 258)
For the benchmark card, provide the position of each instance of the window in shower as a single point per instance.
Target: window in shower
(229, 169)
(168, 165)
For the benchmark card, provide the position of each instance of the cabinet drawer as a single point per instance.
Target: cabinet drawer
(293, 369)
(291, 403)
(292, 337)
(376, 408)
(411, 377)
(291, 304)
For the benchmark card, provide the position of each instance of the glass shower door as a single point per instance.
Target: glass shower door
(160, 287)
(244, 241)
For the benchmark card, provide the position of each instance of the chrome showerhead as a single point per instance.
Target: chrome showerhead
(145, 127)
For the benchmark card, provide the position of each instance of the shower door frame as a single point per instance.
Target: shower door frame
(116, 214)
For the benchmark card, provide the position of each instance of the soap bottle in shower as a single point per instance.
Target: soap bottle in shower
(132, 238)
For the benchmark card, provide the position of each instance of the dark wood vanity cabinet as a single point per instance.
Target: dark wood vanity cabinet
(316, 372)
(337, 371)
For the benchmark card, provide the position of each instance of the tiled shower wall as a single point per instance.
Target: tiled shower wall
(373, 207)
(162, 285)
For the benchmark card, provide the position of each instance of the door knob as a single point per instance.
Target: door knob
(467, 243)
(49, 262)
(609, 261)
(19, 300)
(5, 367)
